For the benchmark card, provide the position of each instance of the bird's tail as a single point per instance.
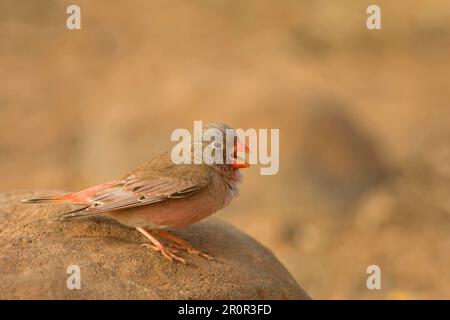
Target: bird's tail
(59, 199)
(51, 199)
(68, 198)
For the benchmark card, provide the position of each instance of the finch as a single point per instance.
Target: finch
(161, 194)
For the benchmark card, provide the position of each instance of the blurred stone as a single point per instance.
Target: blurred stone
(337, 157)
(400, 295)
(35, 253)
(374, 209)
(304, 236)
(437, 157)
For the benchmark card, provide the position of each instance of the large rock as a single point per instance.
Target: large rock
(35, 252)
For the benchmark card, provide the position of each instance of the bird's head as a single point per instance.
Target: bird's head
(228, 148)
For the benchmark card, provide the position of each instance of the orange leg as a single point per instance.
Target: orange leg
(158, 246)
(182, 244)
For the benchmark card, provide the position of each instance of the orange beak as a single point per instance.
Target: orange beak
(239, 146)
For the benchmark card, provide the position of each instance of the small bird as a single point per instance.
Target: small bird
(161, 194)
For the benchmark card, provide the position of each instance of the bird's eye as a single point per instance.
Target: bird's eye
(217, 145)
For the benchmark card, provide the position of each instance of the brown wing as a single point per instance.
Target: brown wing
(178, 182)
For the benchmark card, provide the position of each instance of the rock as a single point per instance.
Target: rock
(337, 157)
(35, 252)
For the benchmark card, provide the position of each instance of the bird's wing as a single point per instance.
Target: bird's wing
(135, 191)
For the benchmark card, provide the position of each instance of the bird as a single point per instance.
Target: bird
(161, 195)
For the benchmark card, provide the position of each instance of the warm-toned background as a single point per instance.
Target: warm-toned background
(364, 118)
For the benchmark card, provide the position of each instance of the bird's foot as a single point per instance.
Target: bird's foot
(183, 245)
(169, 253)
(156, 245)
(191, 250)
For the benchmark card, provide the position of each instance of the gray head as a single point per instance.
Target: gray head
(221, 140)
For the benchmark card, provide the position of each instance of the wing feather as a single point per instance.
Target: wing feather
(145, 190)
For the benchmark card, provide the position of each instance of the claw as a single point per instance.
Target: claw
(169, 253)
(149, 246)
(191, 250)
(183, 245)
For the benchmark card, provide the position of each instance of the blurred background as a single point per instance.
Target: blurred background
(364, 119)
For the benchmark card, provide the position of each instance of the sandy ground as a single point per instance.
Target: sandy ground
(363, 116)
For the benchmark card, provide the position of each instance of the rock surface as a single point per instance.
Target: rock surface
(36, 251)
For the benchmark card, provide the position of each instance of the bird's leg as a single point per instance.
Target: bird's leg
(182, 244)
(158, 246)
